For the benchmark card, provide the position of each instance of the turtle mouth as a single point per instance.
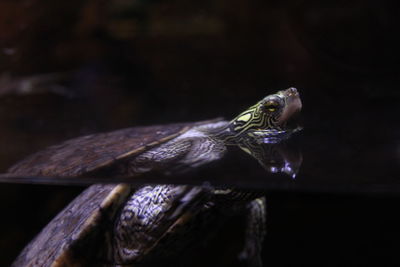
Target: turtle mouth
(290, 113)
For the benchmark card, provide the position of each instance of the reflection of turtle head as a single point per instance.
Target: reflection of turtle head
(276, 157)
(269, 115)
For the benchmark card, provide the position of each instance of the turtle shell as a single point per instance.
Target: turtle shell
(86, 154)
(73, 237)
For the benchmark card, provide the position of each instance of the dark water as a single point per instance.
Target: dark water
(124, 65)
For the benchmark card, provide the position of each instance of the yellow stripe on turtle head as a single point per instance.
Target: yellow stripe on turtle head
(245, 118)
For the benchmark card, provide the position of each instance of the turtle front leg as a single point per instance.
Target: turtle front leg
(255, 232)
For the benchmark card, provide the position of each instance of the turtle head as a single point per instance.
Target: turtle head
(270, 114)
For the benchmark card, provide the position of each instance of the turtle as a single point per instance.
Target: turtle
(122, 225)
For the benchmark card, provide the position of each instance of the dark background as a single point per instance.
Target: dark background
(78, 67)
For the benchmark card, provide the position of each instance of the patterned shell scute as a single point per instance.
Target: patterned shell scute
(80, 224)
(82, 155)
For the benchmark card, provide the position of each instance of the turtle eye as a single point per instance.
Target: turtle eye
(271, 106)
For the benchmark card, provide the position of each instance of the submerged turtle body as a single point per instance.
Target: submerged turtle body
(116, 225)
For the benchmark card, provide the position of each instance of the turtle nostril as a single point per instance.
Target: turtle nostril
(292, 91)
